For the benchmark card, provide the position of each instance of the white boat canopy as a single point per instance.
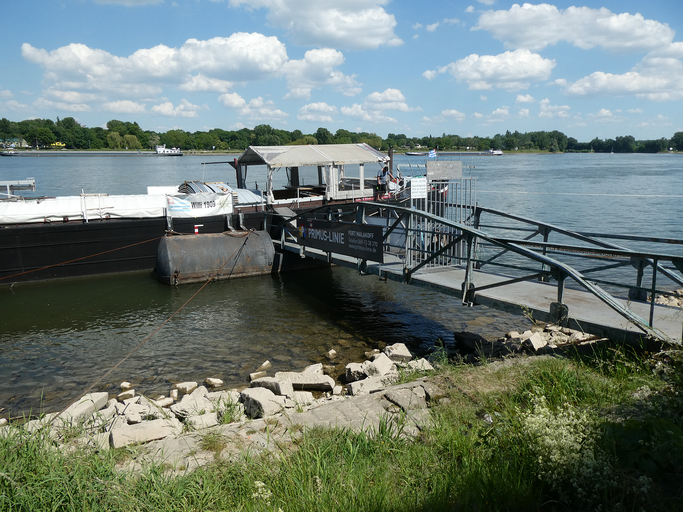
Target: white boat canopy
(330, 159)
(301, 156)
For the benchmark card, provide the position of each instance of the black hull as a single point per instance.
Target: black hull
(36, 252)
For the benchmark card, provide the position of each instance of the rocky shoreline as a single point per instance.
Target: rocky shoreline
(278, 406)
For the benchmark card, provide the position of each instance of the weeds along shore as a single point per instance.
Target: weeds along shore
(602, 431)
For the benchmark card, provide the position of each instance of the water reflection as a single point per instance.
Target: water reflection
(57, 338)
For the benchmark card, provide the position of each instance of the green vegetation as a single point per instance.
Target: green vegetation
(127, 135)
(583, 433)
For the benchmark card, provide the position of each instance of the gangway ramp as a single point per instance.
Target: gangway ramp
(541, 294)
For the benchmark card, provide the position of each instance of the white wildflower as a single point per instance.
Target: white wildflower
(262, 492)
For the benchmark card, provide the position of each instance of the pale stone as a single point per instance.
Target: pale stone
(314, 368)
(407, 399)
(164, 402)
(227, 397)
(202, 421)
(303, 397)
(372, 353)
(398, 352)
(126, 395)
(144, 432)
(537, 341)
(337, 390)
(192, 406)
(185, 387)
(125, 385)
(382, 363)
(132, 400)
(365, 386)
(283, 388)
(331, 354)
(112, 402)
(257, 375)
(83, 408)
(259, 402)
(213, 383)
(265, 366)
(3, 422)
(354, 372)
(421, 365)
(201, 391)
(134, 418)
(307, 381)
(174, 394)
(512, 335)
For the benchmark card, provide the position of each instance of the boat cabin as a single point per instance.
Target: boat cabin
(307, 174)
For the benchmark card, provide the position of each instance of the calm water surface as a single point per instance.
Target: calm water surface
(57, 338)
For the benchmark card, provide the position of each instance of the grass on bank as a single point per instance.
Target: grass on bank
(594, 433)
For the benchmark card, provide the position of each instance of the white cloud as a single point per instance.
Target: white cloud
(523, 112)
(483, 98)
(124, 107)
(15, 106)
(432, 27)
(660, 120)
(260, 110)
(470, 8)
(511, 71)
(477, 115)
(635, 111)
(551, 111)
(319, 112)
(655, 78)
(43, 103)
(446, 115)
(353, 24)
(232, 100)
(536, 26)
(367, 113)
(390, 99)
(142, 75)
(417, 26)
(5, 94)
(315, 70)
(184, 109)
(525, 98)
(487, 2)
(201, 82)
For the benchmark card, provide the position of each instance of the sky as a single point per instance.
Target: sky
(478, 67)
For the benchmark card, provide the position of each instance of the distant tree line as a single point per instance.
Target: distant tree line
(126, 135)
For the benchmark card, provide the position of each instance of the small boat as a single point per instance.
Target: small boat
(415, 153)
(164, 151)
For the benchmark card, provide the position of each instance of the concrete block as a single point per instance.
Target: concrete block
(144, 432)
(307, 381)
(383, 364)
(365, 386)
(83, 409)
(398, 352)
(421, 365)
(213, 383)
(185, 387)
(202, 421)
(260, 402)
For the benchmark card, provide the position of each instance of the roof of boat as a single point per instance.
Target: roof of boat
(321, 154)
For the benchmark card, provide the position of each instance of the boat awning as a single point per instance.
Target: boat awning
(301, 156)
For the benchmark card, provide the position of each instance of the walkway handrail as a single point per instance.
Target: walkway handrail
(555, 268)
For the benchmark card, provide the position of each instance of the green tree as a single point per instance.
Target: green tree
(324, 136)
(131, 141)
(114, 140)
(677, 141)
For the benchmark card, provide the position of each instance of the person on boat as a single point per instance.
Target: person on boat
(382, 179)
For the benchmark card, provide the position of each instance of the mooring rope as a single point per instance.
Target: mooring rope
(81, 258)
(237, 254)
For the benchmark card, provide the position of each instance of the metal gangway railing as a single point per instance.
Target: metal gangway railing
(486, 240)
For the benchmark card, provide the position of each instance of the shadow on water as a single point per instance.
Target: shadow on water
(57, 338)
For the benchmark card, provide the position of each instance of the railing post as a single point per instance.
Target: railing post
(638, 293)
(467, 285)
(545, 232)
(652, 292)
(559, 311)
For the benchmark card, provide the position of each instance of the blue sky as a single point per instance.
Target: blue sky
(478, 67)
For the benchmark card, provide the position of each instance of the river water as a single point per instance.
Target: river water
(57, 338)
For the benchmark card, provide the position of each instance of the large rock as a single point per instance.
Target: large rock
(202, 421)
(365, 386)
(259, 402)
(382, 363)
(82, 409)
(307, 381)
(398, 352)
(144, 432)
(192, 405)
(277, 386)
(407, 398)
(185, 387)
